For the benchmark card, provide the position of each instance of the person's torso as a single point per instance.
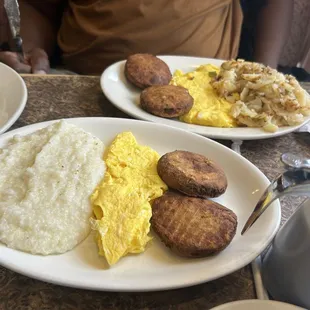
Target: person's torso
(96, 33)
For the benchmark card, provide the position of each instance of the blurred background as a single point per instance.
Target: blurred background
(72, 34)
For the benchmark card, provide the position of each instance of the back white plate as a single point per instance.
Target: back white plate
(126, 98)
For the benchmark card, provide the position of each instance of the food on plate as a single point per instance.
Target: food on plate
(121, 202)
(144, 70)
(261, 96)
(166, 100)
(45, 182)
(58, 183)
(192, 174)
(192, 227)
(208, 109)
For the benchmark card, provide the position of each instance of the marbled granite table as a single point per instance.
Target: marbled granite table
(54, 97)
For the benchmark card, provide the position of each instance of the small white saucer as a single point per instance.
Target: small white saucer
(256, 304)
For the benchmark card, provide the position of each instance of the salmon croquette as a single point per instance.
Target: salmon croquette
(192, 174)
(167, 101)
(192, 227)
(144, 70)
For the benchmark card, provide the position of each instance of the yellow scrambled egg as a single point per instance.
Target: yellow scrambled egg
(121, 202)
(208, 109)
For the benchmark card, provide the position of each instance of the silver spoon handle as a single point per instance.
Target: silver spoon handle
(291, 182)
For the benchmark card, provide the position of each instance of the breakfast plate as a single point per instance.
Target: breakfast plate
(157, 268)
(126, 98)
(13, 97)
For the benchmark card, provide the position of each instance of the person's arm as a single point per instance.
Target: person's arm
(39, 23)
(273, 26)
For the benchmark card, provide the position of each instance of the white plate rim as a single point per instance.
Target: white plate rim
(21, 107)
(210, 132)
(263, 303)
(118, 288)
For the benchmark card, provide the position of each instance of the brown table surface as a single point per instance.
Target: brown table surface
(55, 97)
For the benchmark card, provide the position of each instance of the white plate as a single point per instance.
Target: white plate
(157, 268)
(13, 97)
(126, 98)
(255, 304)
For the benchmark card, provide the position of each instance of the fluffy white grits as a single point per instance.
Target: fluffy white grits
(45, 182)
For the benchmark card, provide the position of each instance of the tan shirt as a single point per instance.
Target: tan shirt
(96, 33)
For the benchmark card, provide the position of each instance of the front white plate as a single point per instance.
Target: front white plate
(255, 304)
(126, 98)
(13, 97)
(157, 268)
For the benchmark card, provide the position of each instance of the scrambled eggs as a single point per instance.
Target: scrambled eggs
(121, 203)
(208, 109)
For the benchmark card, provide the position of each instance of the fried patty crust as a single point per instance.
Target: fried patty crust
(166, 100)
(144, 70)
(192, 174)
(192, 227)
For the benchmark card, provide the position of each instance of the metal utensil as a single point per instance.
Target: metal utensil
(294, 181)
(292, 161)
(13, 14)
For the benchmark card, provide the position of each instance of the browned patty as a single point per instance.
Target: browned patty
(192, 227)
(144, 70)
(166, 100)
(192, 174)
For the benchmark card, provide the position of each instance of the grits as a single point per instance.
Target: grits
(45, 183)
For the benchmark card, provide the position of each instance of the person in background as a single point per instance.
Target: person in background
(265, 30)
(284, 25)
(92, 34)
(295, 56)
(89, 35)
